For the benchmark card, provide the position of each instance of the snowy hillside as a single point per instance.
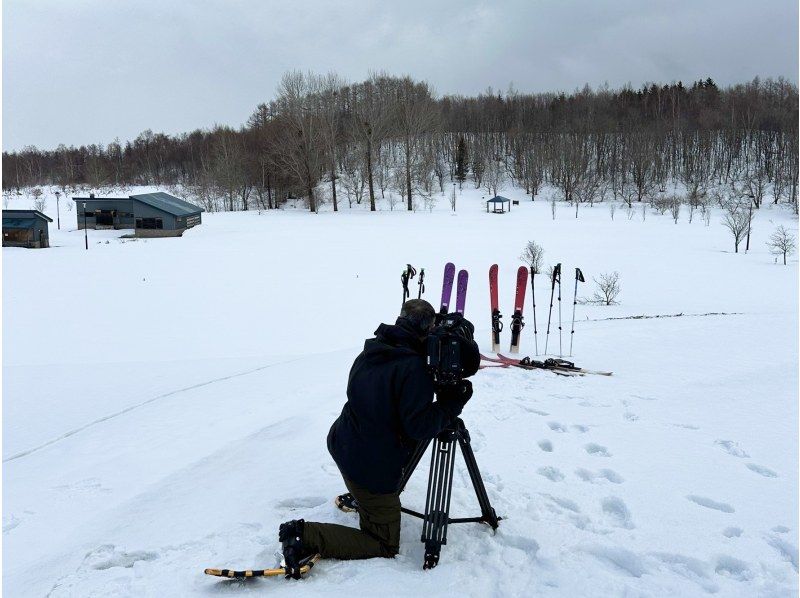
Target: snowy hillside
(166, 402)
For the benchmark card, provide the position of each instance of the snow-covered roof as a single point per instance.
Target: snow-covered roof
(9, 215)
(168, 203)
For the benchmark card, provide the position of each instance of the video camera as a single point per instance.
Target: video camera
(450, 347)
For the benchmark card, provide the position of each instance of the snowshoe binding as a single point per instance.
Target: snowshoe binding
(346, 502)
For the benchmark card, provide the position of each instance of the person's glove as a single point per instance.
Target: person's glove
(453, 397)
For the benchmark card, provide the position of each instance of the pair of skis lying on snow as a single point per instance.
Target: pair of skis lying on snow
(557, 366)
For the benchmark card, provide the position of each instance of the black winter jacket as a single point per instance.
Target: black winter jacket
(389, 408)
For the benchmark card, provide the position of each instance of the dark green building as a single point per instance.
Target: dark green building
(149, 214)
(25, 228)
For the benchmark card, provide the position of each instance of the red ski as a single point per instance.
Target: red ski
(497, 325)
(517, 322)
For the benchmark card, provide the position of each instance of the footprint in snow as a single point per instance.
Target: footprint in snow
(527, 545)
(556, 427)
(710, 504)
(564, 397)
(691, 568)
(732, 448)
(108, 556)
(535, 411)
(10, 523)
(761, 470)
(619, 558)
(546, 446)
(616, 509)
(687, 426)
(580, 428)
(780, 529)
(732, 532)
(301, 502)
(551, 473)
(597, 450)
(611, 475)
(728, 566)
(604, 474)
(565, 503)
(786, 549)
(644, 398)
(631, 417)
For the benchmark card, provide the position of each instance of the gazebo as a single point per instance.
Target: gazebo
(498, 205)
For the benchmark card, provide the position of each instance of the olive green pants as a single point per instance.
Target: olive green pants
(379, 535)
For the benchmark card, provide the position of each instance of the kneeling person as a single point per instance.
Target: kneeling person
(390, 408)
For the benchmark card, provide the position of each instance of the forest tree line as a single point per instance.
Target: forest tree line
(327, 140)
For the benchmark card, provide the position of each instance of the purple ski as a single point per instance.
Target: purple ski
(447, 286)
(461, 291)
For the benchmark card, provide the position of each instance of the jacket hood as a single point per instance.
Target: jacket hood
(391, 337)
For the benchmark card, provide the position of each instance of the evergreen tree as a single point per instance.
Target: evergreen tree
(461, 161)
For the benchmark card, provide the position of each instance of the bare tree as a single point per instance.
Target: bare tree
(372, 121)
(417, 117)
(494, 175)
(532, 255)
(585, 189)
(39, 201)
(608, 289)
(299, 150)
(331, 129)
(756, 182)
(354, 177)
(675, 207)
(782, 242)
(737, 220)
(228, 171)
(640, 153)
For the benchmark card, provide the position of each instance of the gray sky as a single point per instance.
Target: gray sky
(87, 71)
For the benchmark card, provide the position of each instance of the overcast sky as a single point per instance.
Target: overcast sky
(90, 71)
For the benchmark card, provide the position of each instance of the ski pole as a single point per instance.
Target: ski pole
(555, 274)
(560, 351)
(533, 299)
(578, 277)
(407, 275)
(421, 282)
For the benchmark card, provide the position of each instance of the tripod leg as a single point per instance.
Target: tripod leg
(487, 511)
(416, 456)
(437, 504)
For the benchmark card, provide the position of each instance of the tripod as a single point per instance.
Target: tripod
(440, 486)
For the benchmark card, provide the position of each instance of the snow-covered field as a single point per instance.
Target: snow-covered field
(165, 406)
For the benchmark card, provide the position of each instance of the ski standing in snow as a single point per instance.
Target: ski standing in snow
(497, 325)
(517, 322)
(447, 287)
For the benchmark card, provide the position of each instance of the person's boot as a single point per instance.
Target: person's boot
(290, 535)
(346, 502)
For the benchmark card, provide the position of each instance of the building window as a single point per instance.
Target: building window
(149, 223)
